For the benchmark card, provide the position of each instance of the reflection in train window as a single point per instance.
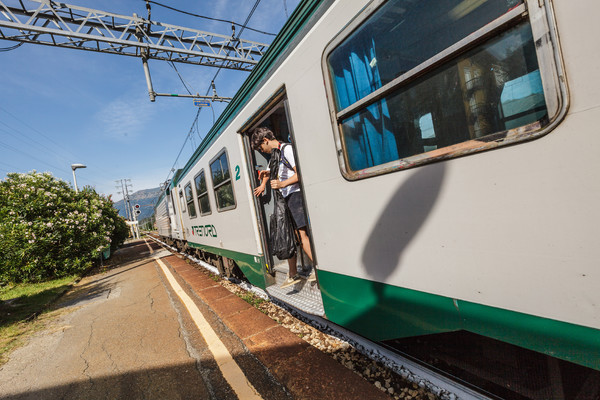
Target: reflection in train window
(427, 132)
(189, 199)
(222, 183)
(202, 191)
(402, 88)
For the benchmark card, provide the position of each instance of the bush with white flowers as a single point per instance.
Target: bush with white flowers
(49, 231)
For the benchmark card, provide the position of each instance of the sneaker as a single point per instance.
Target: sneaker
(312, 277)
(290, 281)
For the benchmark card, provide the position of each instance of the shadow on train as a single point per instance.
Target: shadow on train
(384, 312)
(431, 325)
(402, 218)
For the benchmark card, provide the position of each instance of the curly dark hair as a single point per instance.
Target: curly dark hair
(258, 135)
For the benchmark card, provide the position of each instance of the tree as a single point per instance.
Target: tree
(49, 231)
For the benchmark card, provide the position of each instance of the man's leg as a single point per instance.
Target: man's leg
(293, 277)
(306, 247)
(293, 270)
(305, 242)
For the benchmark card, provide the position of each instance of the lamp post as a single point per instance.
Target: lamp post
(74, 167)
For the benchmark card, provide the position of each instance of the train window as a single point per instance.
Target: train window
(181, 201)
(202, 191)
(189, 199)
(222, 184)
(414, 82)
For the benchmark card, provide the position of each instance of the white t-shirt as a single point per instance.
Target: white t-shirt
(285, 172)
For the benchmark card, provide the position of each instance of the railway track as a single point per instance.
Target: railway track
(399, 376)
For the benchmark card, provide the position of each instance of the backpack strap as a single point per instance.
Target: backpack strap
(283, 159)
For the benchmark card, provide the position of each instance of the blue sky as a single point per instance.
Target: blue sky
(61, 106)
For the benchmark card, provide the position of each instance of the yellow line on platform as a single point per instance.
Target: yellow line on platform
(229, 368)
(149, 248)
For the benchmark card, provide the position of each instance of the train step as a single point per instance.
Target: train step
(304, 295)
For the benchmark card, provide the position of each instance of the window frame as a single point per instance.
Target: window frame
(198, 194)
(230, 180)
(539, 14)
(187, 202)
(182, 202)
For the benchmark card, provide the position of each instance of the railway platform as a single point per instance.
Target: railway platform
(153, 326)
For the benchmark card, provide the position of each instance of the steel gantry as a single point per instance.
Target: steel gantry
(57, 24)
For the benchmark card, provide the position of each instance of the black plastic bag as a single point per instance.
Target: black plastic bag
(282, 240)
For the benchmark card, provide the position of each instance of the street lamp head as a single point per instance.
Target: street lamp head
(75, 166)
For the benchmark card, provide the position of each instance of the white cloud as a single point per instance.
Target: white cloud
(124, 118)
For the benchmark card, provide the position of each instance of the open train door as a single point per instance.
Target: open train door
(275, 116)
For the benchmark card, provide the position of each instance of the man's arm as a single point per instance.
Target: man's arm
(265, 177)
(275, 184)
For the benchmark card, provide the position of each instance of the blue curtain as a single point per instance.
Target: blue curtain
(368, 136)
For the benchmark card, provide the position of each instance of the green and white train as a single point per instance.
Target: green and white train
(447, 154)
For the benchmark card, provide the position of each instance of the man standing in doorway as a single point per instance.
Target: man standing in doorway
(264, 141)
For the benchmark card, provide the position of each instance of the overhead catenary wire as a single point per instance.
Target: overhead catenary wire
(62, 154)
(9, 166)
(11, 47)
(183, 147)
(210, 18)
(26, 140)
(185, 84)
(12, 148)
(54, 167)
(244, 26)
(58, 150)
(49, 139)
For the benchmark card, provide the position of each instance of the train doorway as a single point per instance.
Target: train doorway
(304, 294)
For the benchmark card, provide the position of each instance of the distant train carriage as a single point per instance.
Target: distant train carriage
(162, 218)
(448, 170)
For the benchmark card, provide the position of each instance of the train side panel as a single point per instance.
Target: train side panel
(501, 242)
(218, 181)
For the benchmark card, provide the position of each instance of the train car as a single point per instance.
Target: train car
(162, 219)
(447, 159)
(169, 221)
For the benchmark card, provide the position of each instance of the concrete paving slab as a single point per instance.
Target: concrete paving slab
(124, 334)
(118, 337)
(306, 371)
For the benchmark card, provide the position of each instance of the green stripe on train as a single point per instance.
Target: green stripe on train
(251, 266)
(383, 312)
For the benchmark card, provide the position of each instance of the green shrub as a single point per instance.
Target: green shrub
(49, 231)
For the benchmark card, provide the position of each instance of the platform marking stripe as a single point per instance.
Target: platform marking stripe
(229, 368)
(149, 248)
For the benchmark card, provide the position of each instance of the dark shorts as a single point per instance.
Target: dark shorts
(296, 206)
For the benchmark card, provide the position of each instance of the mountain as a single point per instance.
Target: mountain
(145, 198)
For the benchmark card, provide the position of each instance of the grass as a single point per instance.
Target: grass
(20, 304)
(252, 299)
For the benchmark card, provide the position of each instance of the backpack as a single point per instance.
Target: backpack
(277, 155)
